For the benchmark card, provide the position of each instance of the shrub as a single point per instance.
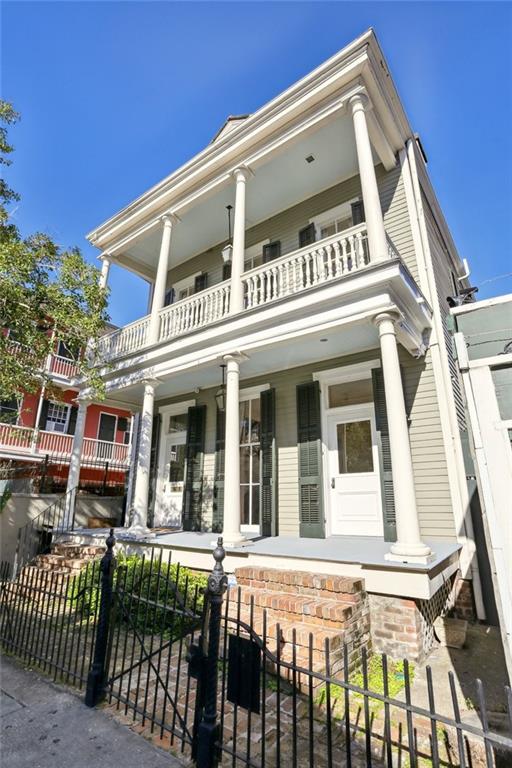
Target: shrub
(161, 601)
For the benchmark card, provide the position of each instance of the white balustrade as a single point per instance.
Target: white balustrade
(128, 339)
(63, 366)
(13, 436)
(55, 443)
(333, 257)
(197, 311)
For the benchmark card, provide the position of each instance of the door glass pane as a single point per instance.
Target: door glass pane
(255, 420)
(245, 504)
(255, 489)
(350, 393)
(177, 465)
(244, 421)
(354, 447)
(245, 464)
(178, 422)
(107, 428)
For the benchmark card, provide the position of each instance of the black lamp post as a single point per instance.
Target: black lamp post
(220, 395)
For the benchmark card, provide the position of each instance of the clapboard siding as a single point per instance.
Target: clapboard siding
(285, 226)
(429, 461)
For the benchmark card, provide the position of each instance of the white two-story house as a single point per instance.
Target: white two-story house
(294, 376)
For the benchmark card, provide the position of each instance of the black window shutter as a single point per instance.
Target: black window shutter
(72, 420)
(307, 235)
(386, 477)
(218, 485)
(169, 297)
(201, 282)
(309, 442)
(226, 270)
(122, 424)
(153, 463)
(44, 414)
(194, 457)
(357, 213)
(268, 464)
(271, 251)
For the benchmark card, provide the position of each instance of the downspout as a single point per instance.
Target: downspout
(465, 534)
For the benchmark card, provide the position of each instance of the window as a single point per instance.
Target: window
(350, 393)
(9, 411)
(338, 219)
(250, 461)
(63, 351)
(253, 256)
(178, 422)
(57, 417)
(354, 447)
(107, 427)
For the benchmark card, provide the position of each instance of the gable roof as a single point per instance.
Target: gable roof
(230, 124)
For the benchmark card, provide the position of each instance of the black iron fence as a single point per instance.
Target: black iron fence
(208, 676)
(98, 476)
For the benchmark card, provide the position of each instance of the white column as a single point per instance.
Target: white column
(409, 546)
(237, 263)
(139, 523)
(370, 191)
(105, 270)
(75, 460)
(158, 298)
(231, 527)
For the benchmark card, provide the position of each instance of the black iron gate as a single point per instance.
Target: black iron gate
(207, 674)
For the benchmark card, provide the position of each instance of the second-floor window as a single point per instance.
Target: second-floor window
(9, 411)
(63, 351)
(57, 417)
(338, 219)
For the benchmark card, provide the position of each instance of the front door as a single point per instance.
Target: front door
(353, 472)
(107, 427)
(171, 482)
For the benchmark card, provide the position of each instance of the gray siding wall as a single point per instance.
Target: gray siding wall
(430, 471)
(285, 226)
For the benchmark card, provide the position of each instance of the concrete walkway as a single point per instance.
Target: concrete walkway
(47, 726)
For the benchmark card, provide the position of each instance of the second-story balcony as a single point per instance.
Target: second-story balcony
(327, 260)
(26, 441)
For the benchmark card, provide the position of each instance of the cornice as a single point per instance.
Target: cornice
(362, 56)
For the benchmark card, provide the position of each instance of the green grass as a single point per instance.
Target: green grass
(396, 682)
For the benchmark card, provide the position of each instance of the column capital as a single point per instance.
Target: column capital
(389, 316)
(235, 357)
(243, 172)
(359, 100)
(169, 218)
(150, 381)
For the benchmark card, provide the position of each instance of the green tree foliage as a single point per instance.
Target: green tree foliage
(47, 293)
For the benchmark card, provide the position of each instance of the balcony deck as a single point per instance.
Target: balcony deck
(16, 441)
(340, 255)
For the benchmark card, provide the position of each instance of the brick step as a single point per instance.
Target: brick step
(305, 608)
(344, 588)
(61, 562)
(78, 550)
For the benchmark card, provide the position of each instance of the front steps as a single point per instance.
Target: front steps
(315, 609)
(69, 558)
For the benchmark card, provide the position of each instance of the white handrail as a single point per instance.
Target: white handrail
(324, 260)
(333, 257)
(196, 311)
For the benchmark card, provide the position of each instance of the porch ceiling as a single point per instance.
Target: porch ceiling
(278, 356)
(282, 179)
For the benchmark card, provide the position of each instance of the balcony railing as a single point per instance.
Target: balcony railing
(337, 256)
(21, 439)
(63, 366)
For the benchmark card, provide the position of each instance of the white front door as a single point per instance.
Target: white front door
(353, 472)
(171, 482)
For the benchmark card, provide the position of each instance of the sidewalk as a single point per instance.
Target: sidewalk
(48, 726)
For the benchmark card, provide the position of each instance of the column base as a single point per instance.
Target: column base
(409, 553)
(230, 541)
(137, 532)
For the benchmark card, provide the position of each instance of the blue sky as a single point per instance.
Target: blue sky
(114, 96)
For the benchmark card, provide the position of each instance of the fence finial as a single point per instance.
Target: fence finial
(217, 580)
